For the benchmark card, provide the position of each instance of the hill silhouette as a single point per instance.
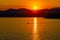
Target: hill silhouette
(22, 12)
(52, 13)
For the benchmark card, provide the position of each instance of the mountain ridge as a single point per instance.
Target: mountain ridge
(22, 12)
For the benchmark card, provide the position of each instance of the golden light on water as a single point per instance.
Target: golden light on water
(35, 25)
(35, 31)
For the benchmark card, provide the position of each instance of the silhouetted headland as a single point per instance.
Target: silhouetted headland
(22, 12)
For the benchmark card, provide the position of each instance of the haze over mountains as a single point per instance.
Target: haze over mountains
(22, 12)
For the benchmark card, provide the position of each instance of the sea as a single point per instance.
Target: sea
(29, 28)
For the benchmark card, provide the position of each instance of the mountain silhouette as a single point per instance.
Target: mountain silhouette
(53, 13)
(22, 12)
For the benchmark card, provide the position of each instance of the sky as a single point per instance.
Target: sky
(29, 4)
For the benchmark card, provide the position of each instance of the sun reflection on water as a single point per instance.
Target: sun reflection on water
(35, 25)
(35, 31)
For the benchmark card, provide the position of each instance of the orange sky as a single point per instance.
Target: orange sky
(41, 4)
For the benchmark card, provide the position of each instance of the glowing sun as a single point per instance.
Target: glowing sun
(35, 8)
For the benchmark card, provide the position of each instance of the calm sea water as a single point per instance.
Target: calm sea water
(29, 29)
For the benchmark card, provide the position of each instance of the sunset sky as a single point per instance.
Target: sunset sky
(29, 4)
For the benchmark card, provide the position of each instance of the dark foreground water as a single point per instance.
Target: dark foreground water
(24, 29)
